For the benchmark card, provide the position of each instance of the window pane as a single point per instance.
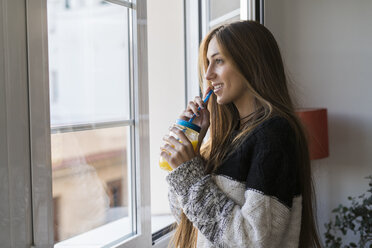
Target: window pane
(219, 8)
(88, 62)
(91, 186)
(235, 18)
(90, 83)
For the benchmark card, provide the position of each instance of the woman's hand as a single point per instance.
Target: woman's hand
(176, 152)
(202, 118)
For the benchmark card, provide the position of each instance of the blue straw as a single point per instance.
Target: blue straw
(205, 100)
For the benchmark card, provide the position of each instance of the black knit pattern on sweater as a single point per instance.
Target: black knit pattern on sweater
(266, 161)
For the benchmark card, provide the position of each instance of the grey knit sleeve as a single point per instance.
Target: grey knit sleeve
(174, 204)
(201, 200)
(262, 221)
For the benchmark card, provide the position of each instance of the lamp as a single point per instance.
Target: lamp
(315, 123)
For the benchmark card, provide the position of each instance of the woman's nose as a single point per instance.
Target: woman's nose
(210, 74)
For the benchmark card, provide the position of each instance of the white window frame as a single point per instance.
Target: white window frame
(192, 40)
(42, 203)
(249, 9)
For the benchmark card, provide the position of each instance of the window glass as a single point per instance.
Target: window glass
(91, 126)
(90, 181)
(219, 8)
(233, 19)
(88, 62)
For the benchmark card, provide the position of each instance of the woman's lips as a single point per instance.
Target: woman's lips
(217, 88)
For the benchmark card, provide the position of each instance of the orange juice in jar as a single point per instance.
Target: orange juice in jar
(192, 133)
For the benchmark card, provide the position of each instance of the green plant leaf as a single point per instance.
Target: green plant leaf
(357, 217)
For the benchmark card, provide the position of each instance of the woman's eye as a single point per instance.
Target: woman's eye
(219, 61)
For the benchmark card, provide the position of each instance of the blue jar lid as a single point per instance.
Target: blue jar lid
(188, 124)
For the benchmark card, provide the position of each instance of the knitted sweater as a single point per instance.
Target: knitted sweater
(253, 198)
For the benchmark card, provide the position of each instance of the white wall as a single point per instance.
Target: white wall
(327, 48)
(166, 85)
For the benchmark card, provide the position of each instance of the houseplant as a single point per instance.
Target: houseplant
(355, 218)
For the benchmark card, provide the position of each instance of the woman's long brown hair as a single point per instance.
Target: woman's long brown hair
(253, 50)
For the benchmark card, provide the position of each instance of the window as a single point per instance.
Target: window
(223, 11)
(91, 120)
(91, 123)
(44, 107)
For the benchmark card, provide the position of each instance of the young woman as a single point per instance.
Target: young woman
(250, 185)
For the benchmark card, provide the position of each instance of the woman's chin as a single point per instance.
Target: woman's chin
(221, 100)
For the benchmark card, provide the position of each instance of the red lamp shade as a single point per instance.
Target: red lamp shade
(315, 123)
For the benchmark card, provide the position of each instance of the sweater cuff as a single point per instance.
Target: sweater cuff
(184, 176)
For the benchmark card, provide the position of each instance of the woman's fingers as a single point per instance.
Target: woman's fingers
(196, 105)
(169, 148)
(165, 154)
(209, 88)
(177, 151)
(185, 145)
(172, 161)
(173, 142)
(199, 102)
(193, 107)
(181, 145)
(186, 115)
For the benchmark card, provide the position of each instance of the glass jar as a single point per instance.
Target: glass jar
(192, 133)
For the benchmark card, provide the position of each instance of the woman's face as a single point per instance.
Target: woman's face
(229, 85)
